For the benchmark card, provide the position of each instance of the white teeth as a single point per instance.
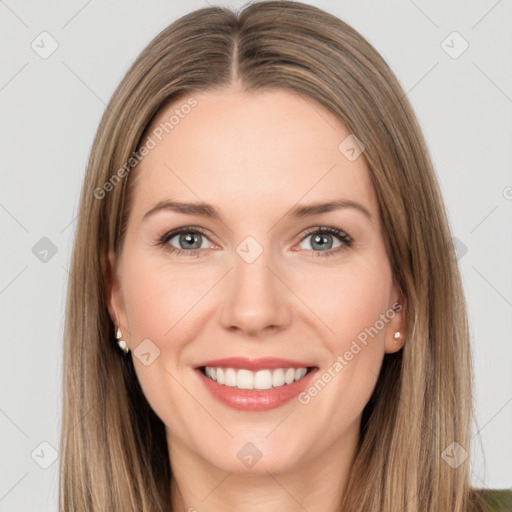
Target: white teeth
(260, 380)
(299, 373)
(263, 380)
(278, 377)
(245, 379)
(230, 377)
(289, 376)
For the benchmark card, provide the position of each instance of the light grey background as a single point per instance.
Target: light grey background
(50, 109)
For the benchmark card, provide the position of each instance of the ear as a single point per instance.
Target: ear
(115, 302)
(397, 322)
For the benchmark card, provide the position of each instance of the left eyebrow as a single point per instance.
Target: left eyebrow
(317, 208)
(299, 211)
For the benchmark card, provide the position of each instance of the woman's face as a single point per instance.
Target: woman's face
(252, 288)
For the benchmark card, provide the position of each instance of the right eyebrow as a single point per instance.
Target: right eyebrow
(201, 209)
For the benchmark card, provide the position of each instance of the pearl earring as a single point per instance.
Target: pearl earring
(396, 336)
(122, 343)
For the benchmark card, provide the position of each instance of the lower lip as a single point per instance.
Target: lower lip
(255, 400)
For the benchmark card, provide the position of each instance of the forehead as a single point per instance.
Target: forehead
(249, 151)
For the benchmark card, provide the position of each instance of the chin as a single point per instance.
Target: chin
(257, 457)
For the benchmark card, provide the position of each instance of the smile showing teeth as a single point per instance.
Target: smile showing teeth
(262, 379)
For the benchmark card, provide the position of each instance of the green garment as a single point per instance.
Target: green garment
(497, 500)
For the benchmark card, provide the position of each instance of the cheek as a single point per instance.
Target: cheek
(347, 299)
(160, 305)
(351, 303)
(160, 300)
(354, 353)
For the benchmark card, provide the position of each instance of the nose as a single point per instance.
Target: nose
(256, 301)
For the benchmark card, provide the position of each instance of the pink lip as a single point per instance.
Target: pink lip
(254, 365)
(251, 399)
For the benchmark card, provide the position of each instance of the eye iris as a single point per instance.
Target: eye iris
(189, 238)
(322, 240)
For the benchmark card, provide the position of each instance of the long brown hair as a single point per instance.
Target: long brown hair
(113, 447)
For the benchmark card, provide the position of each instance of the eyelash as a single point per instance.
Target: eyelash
(344, 238)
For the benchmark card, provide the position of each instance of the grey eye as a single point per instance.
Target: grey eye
(189, 240)
(322, 241)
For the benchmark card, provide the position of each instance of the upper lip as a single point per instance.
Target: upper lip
(262, 363)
